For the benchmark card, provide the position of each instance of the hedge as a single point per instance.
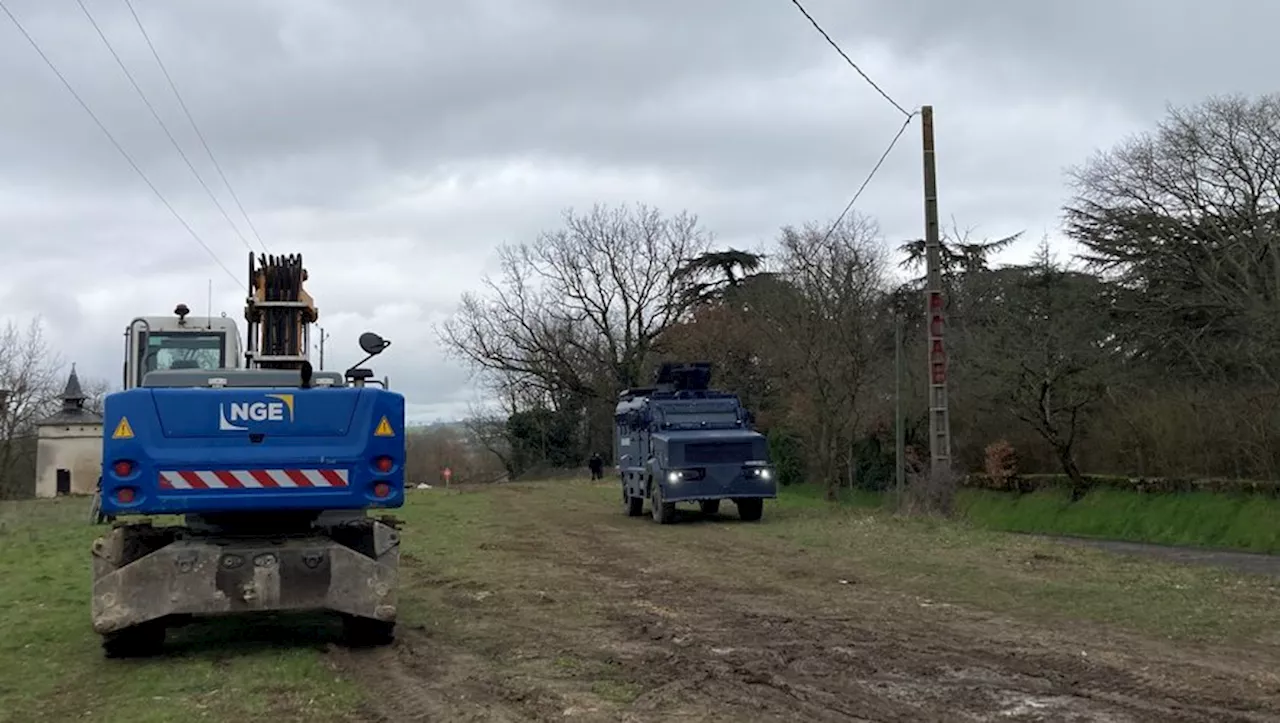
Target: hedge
(1151, 485)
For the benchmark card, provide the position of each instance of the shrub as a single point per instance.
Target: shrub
(788, 460)
(1000, 463)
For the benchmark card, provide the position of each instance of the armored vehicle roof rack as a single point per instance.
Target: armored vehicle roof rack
(677, 376)
(636, 392)
(672, 378)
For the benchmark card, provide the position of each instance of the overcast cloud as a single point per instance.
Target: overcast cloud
(396, 144)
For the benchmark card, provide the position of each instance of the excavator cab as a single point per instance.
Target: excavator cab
(180, 341)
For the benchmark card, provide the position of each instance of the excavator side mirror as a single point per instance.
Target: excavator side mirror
(372, 344)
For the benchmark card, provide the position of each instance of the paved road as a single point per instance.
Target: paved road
(1247, 562)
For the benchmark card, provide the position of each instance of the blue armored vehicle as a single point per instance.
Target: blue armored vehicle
(271, 466)
(680, 441)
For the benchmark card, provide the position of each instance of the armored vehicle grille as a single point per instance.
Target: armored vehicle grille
(717, 452)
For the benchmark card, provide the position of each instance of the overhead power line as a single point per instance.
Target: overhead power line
(866, 181)
(174, 141)
(849, 60)
(70, 89)
(174, 87)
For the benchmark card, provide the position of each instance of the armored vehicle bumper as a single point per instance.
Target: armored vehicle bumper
(711, 483)
(143, 573)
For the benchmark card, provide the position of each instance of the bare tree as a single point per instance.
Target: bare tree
(1046, 352)
(96, 391)
(1186, 221)
(29, 387)
(488, 429)
(582, 306)
(825, 325)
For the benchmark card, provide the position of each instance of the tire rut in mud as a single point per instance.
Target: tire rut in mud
(422, 678)
(702, 643)
(714, 649)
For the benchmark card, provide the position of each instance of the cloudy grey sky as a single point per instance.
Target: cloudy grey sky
(397, 144)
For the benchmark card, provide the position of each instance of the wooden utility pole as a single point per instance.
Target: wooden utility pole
(939, 419)
(899, 431)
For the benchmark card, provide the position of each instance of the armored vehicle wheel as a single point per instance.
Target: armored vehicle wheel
(750, 509)
(709, 507)
(358, 632)
(664, 513)
(138, 641)
(633, 506)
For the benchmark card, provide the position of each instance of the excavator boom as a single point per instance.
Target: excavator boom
(279, 312)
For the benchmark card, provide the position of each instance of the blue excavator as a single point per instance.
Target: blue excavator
(268, 472)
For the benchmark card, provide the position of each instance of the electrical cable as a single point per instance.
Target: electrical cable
(150, 107)
(117, 145)
(174, 87)
(901, 129)
(849, 60)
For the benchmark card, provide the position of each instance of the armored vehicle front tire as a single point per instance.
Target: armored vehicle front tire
(633, 506)
(750, 509)
(664, 513)
(138, 641)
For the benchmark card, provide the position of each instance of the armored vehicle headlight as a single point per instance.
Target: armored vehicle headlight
(673, 476)
(766, 473)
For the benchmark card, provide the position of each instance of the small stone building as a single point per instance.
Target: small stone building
(69, 446)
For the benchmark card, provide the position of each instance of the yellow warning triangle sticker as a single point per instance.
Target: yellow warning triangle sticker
(123, 430)
(384, 429)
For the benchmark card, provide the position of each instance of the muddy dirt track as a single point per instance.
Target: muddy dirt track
(568, 610)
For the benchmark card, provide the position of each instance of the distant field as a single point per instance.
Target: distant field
(543, 602)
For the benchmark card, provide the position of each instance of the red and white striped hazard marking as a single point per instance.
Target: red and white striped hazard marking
(251, 479)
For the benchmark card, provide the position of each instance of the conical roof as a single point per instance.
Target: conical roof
(72, 411)
(73, 392)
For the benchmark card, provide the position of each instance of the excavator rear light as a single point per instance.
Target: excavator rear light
(122, 468)
(124, 495)
(381, 489)
(383, 464)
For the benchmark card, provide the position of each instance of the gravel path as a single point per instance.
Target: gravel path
(1247, 562)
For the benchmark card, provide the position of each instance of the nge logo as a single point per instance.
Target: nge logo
(279, 409)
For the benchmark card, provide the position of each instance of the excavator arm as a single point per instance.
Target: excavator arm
(279, 312)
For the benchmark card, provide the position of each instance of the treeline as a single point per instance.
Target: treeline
(432, 449)
(1155, 351)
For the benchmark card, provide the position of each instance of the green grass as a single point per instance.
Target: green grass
(474, 574)
(805, 496)
(1200, 519)
(53, 664)
(1215, 520)
(1031, 579)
